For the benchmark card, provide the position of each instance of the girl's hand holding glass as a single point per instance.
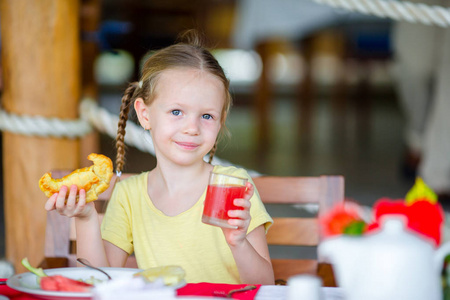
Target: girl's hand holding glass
(67, 204)
(239, 218)
(221, 192)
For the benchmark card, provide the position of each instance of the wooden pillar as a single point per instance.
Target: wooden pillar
(90, 16)
(263, 102)
(41, 70)
(306, 97)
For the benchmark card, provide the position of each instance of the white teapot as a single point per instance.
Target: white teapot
(391, 264)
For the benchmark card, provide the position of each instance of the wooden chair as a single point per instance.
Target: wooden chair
(325, 191)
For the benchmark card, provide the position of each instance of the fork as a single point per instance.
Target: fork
(86, 263)
(230, 293)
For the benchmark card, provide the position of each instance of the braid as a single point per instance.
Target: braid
(212, 152)
(123, 117)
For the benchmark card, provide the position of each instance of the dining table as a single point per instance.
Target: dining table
(270, 292)
(325, 272)
(264, 292)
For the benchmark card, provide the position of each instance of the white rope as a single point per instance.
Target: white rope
(397, 10)
(91, 115)
(135, 136)
(106, 122)
(40, 126)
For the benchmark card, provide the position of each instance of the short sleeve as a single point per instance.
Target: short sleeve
(116, 224)
(258, 211)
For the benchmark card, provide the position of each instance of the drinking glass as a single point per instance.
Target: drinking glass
(221, 192)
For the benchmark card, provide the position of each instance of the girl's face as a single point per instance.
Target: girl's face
(184, 117)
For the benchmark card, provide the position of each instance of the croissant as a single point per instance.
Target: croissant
(94, 179)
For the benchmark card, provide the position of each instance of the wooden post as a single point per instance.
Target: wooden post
(90, 16)
(263, 102)
(41, 70)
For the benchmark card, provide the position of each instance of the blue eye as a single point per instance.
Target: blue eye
(207, 116)
(176, 112)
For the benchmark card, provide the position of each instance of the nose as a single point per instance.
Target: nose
(191, 126)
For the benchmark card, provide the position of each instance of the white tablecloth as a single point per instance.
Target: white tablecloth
(279, 292)
(138, 289)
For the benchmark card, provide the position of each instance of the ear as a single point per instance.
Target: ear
(142, 113)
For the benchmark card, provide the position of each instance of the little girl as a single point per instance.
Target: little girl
(183, 100)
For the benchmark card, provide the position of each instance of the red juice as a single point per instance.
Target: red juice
(219, 200)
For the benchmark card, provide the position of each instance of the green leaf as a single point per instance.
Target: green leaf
(420, 191)
(447, 258)
(355, 228)
(38, 271)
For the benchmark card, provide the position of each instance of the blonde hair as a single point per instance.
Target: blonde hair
(189, 52)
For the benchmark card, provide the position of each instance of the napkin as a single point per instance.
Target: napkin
(13, 294)
(208, 289)
(135, 288)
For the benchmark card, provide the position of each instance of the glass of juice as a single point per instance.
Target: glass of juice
(221, 192)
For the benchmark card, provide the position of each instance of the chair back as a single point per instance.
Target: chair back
(299, 231)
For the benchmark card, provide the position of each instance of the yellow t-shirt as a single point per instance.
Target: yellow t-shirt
(133, 223)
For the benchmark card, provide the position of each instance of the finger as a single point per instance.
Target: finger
(240, 214)
(249, 190)
(82, 194)
(238, 223)
(50, 203)
(81, 201)
(245, 204)
(61, 198)
(71, 200)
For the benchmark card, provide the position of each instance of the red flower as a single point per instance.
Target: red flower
(341, 219)
(422, 216)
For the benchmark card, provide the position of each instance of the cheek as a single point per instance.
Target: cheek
(212, 128)
(162, 124)
(213, 134)
(164, 131)
(161, 130)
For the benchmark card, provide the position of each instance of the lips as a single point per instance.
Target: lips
(187, 146)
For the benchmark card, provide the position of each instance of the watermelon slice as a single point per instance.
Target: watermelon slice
(63, 284)
(57, 282)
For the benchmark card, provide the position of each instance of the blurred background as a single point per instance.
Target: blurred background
(314, 87)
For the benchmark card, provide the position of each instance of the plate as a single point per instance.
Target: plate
(27, 283)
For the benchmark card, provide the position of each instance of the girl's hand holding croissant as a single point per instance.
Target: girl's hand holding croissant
(68, 204)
